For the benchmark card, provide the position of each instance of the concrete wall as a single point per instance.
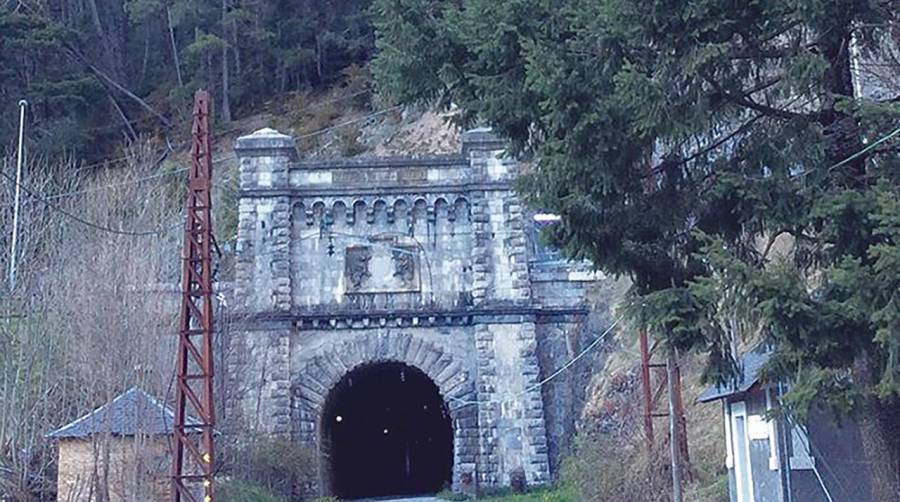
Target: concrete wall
(421, 260)
(139, 469)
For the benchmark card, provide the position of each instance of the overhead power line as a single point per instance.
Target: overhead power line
(72, 216)
(851, 158)
(46, 200)
(349, 122)
(556, 373)
(866, 149)
(112, 185)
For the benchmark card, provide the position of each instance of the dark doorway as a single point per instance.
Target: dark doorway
(388, 432)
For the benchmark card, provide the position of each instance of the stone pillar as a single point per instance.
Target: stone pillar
(513, 439)
(259, 353)
(263, 271)
(258, 367)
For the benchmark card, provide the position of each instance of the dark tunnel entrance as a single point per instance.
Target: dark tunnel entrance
(387, 432)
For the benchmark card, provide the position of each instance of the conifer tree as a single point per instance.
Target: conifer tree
(719, 154)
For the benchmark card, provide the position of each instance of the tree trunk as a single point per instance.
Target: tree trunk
(226, 103)
(879, 427)
(173, 46)
(320, 49)
(236, 49)
(674, 425)
(112, 38)
(145, 61)
(841, 129)
(130, 133)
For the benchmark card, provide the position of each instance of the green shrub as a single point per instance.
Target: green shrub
(349, 142)
(281, 468)
(609, 469)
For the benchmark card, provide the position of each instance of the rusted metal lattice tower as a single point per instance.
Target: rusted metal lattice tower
(194, 455)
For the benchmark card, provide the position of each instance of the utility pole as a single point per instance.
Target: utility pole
(194, 458)
(673, 378)
(18, 192)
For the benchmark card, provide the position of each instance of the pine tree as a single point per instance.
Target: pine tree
(716, 153)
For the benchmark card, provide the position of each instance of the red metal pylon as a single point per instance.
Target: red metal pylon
(652, 394)
(193, 458)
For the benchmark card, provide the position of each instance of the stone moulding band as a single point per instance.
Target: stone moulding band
(418, 318)
(418, 188)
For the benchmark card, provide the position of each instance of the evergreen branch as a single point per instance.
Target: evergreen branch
(754, 50)
(746, 102)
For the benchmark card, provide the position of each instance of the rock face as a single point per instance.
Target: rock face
(427, 261)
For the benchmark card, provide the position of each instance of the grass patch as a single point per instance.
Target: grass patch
(236, 491)
(557, 494)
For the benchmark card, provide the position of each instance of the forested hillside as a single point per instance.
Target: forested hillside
(99, 72)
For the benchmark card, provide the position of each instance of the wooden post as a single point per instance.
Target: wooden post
(675, 430)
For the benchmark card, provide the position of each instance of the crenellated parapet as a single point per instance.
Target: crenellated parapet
(398, 209)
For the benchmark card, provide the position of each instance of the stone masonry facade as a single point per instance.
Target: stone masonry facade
(428, 261)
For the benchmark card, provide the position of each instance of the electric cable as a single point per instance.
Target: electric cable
(841, 163)
(561, 370)
(74, 217)
(112, 185)
(575, 359)
(349, 122)
(865, 150)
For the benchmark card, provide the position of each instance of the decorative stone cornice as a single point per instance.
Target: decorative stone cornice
(424, 187)
(409, 318)
(454, 160)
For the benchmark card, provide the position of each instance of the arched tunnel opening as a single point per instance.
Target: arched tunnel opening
(387, 432)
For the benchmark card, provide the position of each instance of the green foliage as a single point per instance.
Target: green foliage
(32, 66)
(539, 495)
(678, 140)
(349, 143)
(543, 494)
(279, 468)
(235, 491)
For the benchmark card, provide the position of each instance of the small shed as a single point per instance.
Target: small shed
(778, 459)
(121, 448)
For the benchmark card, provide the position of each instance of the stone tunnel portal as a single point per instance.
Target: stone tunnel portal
(388, 432)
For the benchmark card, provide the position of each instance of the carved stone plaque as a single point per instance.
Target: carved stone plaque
(384, 267)
(404, 259)
(356, 267)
